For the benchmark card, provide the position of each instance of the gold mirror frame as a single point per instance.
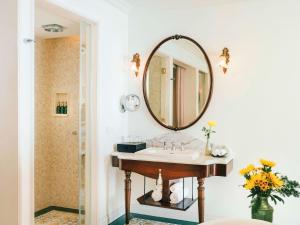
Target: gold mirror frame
(177, 37)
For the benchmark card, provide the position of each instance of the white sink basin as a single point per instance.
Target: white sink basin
(170, 154)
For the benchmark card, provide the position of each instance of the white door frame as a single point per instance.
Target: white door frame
(26, 107)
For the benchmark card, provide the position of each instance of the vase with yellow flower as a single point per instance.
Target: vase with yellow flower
(207, 133)
(263, 185)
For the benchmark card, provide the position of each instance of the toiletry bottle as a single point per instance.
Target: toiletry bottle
(57, 108)
(62, 107)
(66, 107)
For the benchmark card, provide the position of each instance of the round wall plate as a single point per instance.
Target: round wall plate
(130, 103)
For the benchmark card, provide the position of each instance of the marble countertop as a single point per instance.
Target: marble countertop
(200, 160)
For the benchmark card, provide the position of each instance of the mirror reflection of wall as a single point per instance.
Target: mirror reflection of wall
(177, 83)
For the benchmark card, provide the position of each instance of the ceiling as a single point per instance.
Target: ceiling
(174, 4)
(164, 3)
(43, 16)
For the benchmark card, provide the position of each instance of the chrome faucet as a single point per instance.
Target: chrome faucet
(181, 146)
(173, 146)
(165, 146)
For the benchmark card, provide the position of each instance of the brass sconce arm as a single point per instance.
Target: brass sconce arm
(225, 59)
(136, 62)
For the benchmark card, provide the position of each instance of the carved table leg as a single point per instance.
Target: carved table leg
(127, 196)
(166, 191)
(200, 199)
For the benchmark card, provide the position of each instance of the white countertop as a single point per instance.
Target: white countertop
(201, 160)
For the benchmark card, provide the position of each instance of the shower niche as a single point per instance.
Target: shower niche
(61, 104)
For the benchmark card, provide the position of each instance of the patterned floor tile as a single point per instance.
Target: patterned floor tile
(64, 218)
(57, 218)
(136, 221)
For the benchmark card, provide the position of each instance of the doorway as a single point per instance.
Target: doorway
(61, 146)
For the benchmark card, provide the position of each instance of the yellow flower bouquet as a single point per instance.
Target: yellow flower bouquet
(263, 183)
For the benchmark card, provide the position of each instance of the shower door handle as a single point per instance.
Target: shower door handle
(28, 40)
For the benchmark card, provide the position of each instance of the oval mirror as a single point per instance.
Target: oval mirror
(177, 82)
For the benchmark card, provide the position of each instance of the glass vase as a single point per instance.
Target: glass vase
(262, 210)
(207, 148)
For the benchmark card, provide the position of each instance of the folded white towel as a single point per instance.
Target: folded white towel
(156, 195)
(176, 187)
(178, 196)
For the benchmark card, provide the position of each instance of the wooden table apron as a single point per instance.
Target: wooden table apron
(169, 171)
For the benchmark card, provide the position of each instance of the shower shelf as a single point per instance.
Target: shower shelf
(60, 104)
(61, 115)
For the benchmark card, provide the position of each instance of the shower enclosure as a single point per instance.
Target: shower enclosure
(62, 117)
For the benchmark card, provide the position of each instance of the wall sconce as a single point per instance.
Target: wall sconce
(224, 59)
(135, 64)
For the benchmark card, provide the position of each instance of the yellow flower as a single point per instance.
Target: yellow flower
(264, 186)
(258, 169)
(249, 184)
(257, 179)
(276, 181)
(247, 170)
(267, 163)
(212, 123)
(263, 183)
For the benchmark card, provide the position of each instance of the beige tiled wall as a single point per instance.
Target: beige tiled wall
(56, 148)
(155, 85)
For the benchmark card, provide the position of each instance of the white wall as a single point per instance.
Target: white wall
(9, 114)
(256, 104)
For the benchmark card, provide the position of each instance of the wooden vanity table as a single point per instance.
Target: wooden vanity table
(181, 78)
(201, 168)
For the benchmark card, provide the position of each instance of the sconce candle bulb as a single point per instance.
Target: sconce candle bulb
(224, 59)
(135, 63)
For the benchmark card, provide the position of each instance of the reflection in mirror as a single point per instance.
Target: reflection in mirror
(177, 83)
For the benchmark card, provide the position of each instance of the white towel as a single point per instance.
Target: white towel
(156, 195)
(178, 196)
(176, 187)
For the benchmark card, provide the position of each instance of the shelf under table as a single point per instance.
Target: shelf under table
(183, 205)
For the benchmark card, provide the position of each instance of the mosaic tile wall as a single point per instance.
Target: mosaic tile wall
(56, 148)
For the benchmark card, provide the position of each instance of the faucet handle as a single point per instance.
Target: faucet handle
(173, 146)
(165, 145)
(181, 146)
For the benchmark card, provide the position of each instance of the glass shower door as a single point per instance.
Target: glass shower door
(84, 171)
